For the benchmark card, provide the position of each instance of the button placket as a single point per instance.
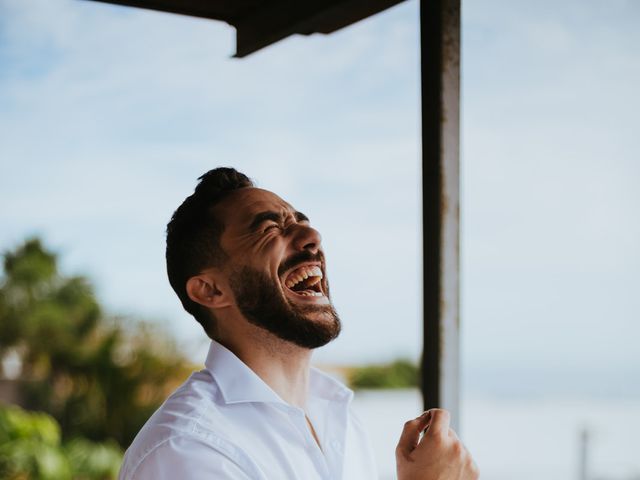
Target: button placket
(316, 454)
(337, 446)
(336, 436)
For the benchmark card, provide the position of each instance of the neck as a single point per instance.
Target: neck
(280, 364)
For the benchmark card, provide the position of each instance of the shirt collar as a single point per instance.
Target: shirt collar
(239, 384)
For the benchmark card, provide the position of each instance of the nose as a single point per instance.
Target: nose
(305, 237)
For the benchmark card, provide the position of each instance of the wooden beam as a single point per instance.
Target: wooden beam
(260, 23)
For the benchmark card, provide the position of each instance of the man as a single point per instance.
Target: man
(251, 270)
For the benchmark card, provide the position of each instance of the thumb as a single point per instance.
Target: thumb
(411, 434)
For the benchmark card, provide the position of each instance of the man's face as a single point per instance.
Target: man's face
(276, 268)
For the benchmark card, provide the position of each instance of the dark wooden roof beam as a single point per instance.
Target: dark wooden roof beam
(260, 23)
(276, 20)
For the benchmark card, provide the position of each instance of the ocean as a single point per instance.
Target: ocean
(536, 438)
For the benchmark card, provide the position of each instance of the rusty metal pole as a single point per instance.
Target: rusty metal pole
(440, 82)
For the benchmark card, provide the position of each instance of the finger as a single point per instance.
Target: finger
(475, 471)
(440, 421)
(411, 433)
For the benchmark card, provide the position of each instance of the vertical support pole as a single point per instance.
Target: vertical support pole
(440, 83)
(583, 458)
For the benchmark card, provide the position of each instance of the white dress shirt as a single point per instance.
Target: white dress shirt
(224, 422)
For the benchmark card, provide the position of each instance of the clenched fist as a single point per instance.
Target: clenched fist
(438, 455)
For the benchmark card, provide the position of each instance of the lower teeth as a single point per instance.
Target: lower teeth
(308, 293)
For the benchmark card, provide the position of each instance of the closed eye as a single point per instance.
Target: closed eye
(273, 219)
(271, 226)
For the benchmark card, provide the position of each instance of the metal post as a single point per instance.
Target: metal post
(583, 457)
(440, 70)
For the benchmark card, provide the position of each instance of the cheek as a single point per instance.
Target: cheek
(264, 252)
(244, 248)
(270, 247)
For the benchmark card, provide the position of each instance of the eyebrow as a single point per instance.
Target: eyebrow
(261, 217)
(300, 217)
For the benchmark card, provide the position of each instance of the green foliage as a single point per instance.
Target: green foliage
(30, 448)
(93, 460)
(399, 374)
(99, 378)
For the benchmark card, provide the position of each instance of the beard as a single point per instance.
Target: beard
(264, 305)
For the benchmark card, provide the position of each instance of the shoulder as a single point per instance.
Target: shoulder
(187, 457)
(181, 440)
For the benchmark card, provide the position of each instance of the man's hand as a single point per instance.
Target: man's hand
(438, 455)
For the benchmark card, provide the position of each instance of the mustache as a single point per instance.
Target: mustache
(298, 258)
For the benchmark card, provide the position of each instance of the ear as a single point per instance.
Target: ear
(208, 290)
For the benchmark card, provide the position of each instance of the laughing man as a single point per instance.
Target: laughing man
(251, 270)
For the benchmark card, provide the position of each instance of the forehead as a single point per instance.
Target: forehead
(240, 207)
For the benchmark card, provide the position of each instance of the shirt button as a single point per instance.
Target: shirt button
(337, 445)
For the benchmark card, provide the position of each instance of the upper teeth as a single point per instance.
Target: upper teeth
(302, 274)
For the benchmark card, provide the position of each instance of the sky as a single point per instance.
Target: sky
(108, 115)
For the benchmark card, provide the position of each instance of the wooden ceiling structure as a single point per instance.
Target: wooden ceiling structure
(260, 23)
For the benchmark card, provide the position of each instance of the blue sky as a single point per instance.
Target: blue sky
(108, 115)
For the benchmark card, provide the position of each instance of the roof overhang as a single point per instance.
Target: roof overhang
(260, 23)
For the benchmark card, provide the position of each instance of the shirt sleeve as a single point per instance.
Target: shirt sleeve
(184, 458)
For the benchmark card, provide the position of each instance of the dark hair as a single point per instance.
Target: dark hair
(193, 236)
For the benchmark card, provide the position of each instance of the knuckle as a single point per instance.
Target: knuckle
(471, 466)
(458, 450)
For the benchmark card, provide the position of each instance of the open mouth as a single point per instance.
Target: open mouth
(305, 281)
